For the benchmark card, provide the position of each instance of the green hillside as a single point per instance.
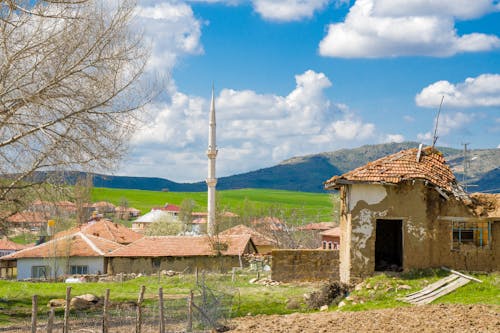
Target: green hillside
(312, 207)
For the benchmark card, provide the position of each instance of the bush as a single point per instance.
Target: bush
(331, 293)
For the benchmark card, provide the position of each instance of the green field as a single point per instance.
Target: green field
(312, 207)
(381, 291)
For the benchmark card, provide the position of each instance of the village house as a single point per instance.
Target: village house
(330, 239)
(76, 253)
(181, 253)
(263, 243)
(8, 269)
(126, 213)
(79, 250)
(406, 211)
(106, 229)
(33, 221)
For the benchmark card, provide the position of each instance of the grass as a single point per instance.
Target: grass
(382, 291)
(15, 299)
(313, 207)
(378, 292)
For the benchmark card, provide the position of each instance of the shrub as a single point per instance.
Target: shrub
(331, 293)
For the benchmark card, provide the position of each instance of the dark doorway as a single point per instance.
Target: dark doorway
(389, 245)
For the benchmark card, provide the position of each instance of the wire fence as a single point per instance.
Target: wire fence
(204, 309)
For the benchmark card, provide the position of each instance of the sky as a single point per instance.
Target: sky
(299, 77)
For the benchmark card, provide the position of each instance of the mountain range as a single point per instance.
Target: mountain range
(307, 173)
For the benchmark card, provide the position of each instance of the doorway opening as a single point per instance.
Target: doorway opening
(389, 245)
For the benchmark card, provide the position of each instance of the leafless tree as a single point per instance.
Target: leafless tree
(70, 89)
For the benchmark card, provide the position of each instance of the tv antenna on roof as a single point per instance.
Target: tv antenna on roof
(435, 137)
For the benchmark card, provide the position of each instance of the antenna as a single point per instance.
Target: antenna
(435, 137)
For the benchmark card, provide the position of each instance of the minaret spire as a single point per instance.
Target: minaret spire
(211, 180)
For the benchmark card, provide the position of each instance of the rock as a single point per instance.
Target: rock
(89, 298)
(323, 308)
(341, 304)
(253, 280)
(56, 303)
(404, 287)
(292, 304)
(368, 286)
(80, 304)
(349, 298)
(359, 287)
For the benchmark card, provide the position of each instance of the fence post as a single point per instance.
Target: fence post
(138, 321)
(50, 323)
(196, 274)
(105, 326)
(162, 318)
(189, 327)
(34, 311)
(66, 310)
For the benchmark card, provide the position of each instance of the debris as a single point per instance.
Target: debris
(323, 308)
(439, 288)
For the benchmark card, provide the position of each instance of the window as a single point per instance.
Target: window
(476, 233)
(156, 262)
(324, 245)
(79, 269)
(39, 272)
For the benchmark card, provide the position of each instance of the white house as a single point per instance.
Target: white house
(77, 253)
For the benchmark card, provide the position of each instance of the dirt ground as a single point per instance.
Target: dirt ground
(427, 318)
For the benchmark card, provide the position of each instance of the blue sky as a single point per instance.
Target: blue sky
(300, 77)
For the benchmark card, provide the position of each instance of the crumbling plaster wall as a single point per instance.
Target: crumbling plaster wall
(426, 238)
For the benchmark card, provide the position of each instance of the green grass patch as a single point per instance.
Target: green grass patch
(382, 291)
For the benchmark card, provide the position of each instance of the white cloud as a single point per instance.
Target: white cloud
(253, 130)
(394, 138)
(288, 10)
(461, 9)
(391, 28)
(408, 119)
(481, 91)
(171, 29)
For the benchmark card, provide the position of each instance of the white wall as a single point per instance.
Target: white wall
(59, 265)
(370, 193)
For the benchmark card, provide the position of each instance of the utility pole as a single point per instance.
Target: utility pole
(465, 165)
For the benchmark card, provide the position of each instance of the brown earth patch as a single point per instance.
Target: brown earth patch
(427, 318)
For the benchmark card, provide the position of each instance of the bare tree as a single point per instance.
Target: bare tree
(70, 89)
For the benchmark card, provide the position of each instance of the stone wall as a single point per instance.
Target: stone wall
(148, 265)
(305, 265)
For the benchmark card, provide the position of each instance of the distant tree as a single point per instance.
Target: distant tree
(70, 89)
(167, 226)
(82, 196)
(186, 211)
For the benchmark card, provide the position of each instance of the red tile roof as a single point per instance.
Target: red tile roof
(334, 232)
(399, 167)
(74, 245)
(28, 217)
(105, 229)
(269, 223)
(257, 238)
(6, 244)
(183, 246)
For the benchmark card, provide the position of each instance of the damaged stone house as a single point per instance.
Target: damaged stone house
(406, 211)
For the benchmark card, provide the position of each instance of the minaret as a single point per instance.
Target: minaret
(211, 180)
